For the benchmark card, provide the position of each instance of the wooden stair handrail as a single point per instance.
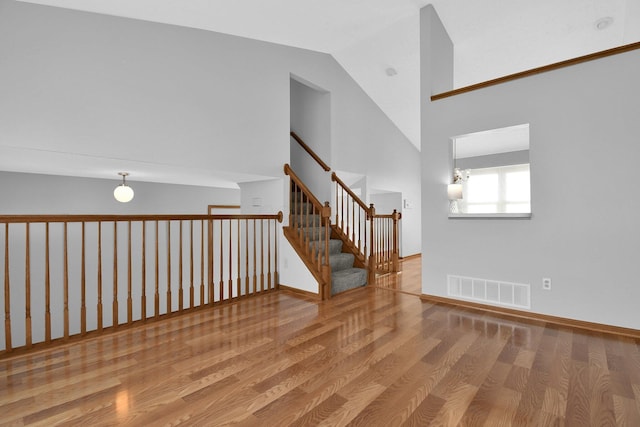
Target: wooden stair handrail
(310, 151)
(288, 171)
(335, 178)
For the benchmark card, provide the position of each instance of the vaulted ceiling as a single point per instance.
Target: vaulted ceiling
(377, 41)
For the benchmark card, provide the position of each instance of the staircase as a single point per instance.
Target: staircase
(345, 274)
(349, 252)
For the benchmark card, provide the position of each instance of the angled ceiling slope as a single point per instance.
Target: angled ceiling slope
(377, 41)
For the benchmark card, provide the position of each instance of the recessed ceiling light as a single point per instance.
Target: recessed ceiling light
(603, 23)
(391, 71)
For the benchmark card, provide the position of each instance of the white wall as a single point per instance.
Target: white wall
(262, 197)
(293, 272)
(389, 161)
(114, 87)
(584, 230)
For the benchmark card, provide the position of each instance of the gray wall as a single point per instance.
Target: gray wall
(311, 121)
(494, 160)
(441, 68)
(24, 193)
(584, 229)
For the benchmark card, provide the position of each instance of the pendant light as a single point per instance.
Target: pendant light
(123, 193)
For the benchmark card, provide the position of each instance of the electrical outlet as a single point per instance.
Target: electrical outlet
(546, 283)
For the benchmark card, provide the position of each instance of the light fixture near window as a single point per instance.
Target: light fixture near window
(454, 190)
(123, 193)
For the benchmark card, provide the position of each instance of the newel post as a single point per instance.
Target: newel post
(325, 292)
(372, 251)
(396, 250)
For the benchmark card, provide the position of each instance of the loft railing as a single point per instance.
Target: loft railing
(385, 249)
(372, 237)
(78, 275)
(309, 231)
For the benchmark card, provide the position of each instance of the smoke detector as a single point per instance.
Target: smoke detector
(603, 23)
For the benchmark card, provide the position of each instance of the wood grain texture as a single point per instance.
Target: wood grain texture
(527, 73)
(377, 356)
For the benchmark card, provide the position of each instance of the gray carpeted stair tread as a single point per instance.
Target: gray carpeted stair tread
(335, 246)
(304, 207)
(350, 278)
(307, 220)
(344, 275)
(314, 233)
(341, 261)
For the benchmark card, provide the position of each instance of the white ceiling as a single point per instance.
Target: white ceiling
(492, 38)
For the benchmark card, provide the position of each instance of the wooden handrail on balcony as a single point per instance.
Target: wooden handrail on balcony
(308, 238)
(386, 250)
(63, 292)
(310, 151)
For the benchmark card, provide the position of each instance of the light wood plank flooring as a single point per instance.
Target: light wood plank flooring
(371, 357)
(407, 281)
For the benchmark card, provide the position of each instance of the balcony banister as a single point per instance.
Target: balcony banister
(11, 219)
(83, 275)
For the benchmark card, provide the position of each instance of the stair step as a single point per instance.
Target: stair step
(335, 246)
(297, 207)
(350, 278)
(307, 220)
(313, 233)
(341, 261)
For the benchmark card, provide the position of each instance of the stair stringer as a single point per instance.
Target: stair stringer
(324, 283)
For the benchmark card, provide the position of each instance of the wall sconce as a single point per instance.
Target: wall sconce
(123, 193)
(454, 191)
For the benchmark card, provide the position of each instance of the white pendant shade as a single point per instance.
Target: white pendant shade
(454, 191)
(123, 193)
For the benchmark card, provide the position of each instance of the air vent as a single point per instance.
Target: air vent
(493, 292)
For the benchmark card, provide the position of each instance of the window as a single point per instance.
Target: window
(493, 168)
(502, 189)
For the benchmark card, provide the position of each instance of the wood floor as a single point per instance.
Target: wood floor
(371, 357)
(407, 281)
